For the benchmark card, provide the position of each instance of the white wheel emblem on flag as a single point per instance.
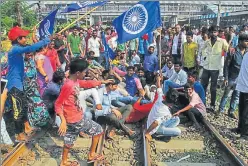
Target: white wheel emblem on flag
(135, 19)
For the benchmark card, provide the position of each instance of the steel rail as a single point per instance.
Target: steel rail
(222, 141)
(147, 151)
(19, 150)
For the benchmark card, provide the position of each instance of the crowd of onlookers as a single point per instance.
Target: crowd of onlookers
(71, 80)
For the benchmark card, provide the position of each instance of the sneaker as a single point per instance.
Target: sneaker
(232, 115)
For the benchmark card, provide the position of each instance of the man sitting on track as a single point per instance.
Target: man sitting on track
(160, 120)
(196, 110)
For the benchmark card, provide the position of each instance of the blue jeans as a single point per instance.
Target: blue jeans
(122, 101)
(168, 128)
(234, 99)
(169, 84)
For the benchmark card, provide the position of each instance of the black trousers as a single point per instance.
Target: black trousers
(19, 106)
(243, 113)
(194, 115)
(186, 69)
(213, 74)
(113, 121)
(150, 77)
(176, 57)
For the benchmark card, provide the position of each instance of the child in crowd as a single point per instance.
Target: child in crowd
(68, 108)
(15, 77)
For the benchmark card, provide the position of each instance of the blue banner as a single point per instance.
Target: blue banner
(77, 6)
(140, 19)
(108, 52)
(47, 25)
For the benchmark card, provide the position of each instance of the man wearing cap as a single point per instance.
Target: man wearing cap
(15, 78)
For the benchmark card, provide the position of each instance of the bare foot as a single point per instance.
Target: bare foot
(94, 157)
(22, 137)
(83, 135)
(70, 163)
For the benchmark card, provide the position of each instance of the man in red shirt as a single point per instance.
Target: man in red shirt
(53, 56)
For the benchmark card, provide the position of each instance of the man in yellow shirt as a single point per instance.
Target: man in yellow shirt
(212, 62)
(189, 53)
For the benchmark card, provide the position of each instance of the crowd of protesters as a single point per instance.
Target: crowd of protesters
(68, 79)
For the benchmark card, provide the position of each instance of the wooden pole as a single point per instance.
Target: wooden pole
(159, 48)
(79, 19)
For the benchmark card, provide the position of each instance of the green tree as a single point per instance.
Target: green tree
(9, 14)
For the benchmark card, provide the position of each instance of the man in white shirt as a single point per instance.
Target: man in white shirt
(94, 44)
(242, 86)
(160, 120)
(201, 52)
(178, 40)
(177, 80)
(168, 69)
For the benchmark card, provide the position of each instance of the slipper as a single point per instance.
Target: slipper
(72, 163)
(96, 158)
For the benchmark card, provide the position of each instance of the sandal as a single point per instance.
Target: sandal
(71, 163)
(98, 157)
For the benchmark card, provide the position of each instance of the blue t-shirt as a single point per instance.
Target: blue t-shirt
(200, 91)
(15, 74)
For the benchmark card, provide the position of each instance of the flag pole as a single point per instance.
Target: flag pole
(78, 19)
(159, 49)
(38, 23)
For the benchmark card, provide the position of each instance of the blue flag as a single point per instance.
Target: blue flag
(108, 52)
(47, 25)
(140, 19)
(77, 6)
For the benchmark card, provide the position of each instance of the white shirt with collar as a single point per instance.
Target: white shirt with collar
(179, 78)
(175, 42)
(159, 112)
(94, 45)
(168, 72)
(242, 80)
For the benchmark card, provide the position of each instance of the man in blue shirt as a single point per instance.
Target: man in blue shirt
(114, 117)
(15, 78)
(193, 79)
(51, 93)
(150, 65)
(231, 71)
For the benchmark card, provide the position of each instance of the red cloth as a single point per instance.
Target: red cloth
(68, 101)
(145, 37)
(16, 32)
(140, 111)
(53, 57)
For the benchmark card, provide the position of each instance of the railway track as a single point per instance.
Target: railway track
(141, 147)
(230, 154)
